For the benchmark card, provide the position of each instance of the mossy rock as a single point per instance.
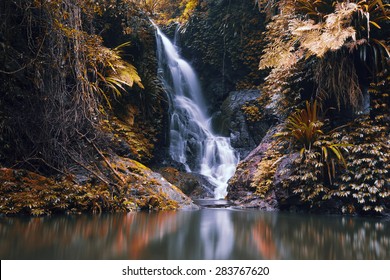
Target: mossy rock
(27, 193)
(194, 185)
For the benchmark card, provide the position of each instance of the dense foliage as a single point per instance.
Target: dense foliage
(167, 11)
(80, 99)
(335, 53)
(348, 41)
(79, 86)
(60, 79)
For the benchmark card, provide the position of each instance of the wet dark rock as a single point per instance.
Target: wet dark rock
(213, 203)
(239, 184)
(240, 190)
(225, 54)
(231, 120)
(243, 195)
(162, 159)
(194, 185)
(151, 184)
(269, 203)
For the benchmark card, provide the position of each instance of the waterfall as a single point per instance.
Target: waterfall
(192, 141)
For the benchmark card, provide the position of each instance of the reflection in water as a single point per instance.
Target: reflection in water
(217, 234)
(204, 234)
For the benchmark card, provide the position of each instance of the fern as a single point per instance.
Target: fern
(303, 126)
(117, 75)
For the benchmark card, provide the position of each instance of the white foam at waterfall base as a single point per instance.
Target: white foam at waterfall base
(191, 134)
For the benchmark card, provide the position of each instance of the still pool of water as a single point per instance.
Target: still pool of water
(202, 234)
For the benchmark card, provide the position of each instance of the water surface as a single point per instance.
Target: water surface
(203, 234)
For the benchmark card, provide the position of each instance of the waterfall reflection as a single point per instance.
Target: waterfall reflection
(204, 234)
(217, 234)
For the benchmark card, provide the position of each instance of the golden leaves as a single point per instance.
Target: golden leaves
(294, 34)
(331, 35)
(292, 39)
(303, 126)
(280, 54)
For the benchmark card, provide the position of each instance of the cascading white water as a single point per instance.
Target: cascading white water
(191, 135)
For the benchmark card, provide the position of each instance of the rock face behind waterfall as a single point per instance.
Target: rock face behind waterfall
(223, 40)
(244, 135)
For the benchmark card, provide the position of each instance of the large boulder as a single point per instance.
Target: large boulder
(194, 185)
(246, 188)
(241, 188)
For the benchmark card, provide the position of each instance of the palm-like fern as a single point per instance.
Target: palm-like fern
(303, 126)
(117, 75)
